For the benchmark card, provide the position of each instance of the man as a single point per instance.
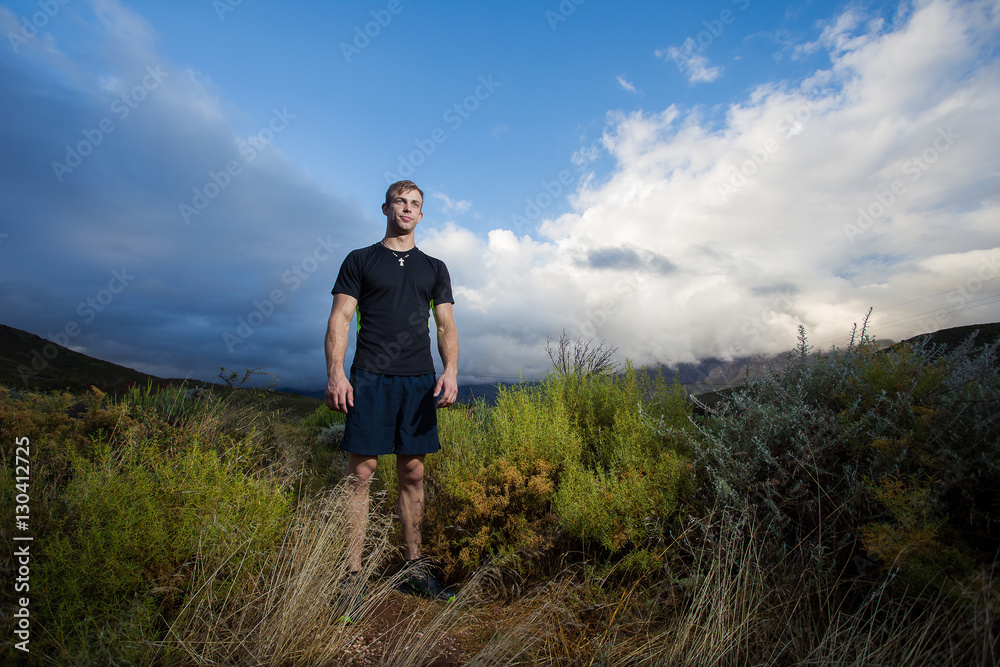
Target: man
(392, 394)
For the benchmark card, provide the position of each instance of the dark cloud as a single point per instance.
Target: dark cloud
(624, 258)
(144, 229)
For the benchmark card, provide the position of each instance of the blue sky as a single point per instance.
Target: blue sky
(180, 181)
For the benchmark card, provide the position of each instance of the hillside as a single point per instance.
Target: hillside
(608, 508)
(31, 362)
(949, 339)
(28, 361)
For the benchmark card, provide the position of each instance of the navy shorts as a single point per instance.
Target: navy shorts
(392, 414)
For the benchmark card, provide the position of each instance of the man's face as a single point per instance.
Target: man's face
(403, 212)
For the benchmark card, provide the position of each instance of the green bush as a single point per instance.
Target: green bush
(174, 404)
(121, 501)
(133, 520)
(620, 506)
(593, 458)
(822, 446)
(322, 418)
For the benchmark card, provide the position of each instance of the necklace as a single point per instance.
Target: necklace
(396, 254)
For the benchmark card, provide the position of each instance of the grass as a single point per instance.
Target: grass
(281, 606)
(591, 520)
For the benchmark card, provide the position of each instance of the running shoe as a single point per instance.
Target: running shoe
(349, 598)
(417, 580)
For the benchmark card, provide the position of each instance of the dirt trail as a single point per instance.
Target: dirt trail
(395, 624)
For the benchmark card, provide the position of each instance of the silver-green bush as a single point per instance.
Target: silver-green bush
(860, 453)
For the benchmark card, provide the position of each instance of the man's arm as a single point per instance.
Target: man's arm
(447, 336)
(339, 392)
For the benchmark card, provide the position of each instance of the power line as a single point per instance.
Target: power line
(924, 298)
(992, 298)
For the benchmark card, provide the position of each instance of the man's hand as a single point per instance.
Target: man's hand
(340, 394)
(446, 390)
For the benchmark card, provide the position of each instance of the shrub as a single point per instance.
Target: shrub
(592, 458)
(825, 446)
(322, 418)
(917, 540)
(494, 485)
(173, 404)
(133, 518)
(621, 506)
(124, 501)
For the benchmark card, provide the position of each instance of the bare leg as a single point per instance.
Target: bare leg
(359, 476)
(410, 476)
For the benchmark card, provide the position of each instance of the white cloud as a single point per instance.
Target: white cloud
(450, 206)
(837, 36)
(873, 183)
(625, 84)
(691, 62)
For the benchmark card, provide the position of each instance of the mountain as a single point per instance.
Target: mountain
(467, 393)
(30, 362)
(723, 378)
(949, 339)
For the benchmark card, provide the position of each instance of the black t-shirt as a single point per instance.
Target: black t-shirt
(394, 305)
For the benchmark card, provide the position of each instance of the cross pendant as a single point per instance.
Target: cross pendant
(401, 261)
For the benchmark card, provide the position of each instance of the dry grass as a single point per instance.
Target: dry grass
(283, 614)
(729, 610)
(730, 603)
(896, 630)
(733, 610)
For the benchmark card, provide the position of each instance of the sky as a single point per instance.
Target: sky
(180, 182)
